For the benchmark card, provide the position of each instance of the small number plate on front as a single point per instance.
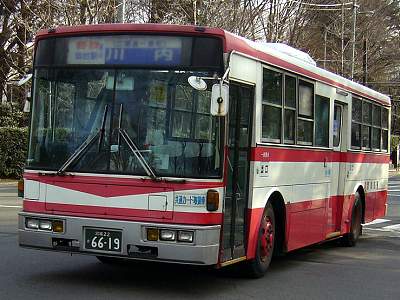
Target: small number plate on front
(103, 240)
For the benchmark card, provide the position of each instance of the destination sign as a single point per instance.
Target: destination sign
(124, 50)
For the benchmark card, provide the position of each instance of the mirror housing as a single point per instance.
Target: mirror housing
(219, 100)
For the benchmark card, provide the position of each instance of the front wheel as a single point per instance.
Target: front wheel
(350, 239)
(265, 244)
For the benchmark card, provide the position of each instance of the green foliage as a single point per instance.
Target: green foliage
(394, 141)
(13, 147)
(12, 116)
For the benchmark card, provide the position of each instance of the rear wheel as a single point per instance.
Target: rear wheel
(265, 244)
(350, 239)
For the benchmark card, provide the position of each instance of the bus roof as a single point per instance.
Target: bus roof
(281, 58)
(268, 54)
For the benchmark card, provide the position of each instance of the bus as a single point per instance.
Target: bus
(192, 145)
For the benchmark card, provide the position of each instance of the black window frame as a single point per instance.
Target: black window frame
(282, 140)
(371, 125)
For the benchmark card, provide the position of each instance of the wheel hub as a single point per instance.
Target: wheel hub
(267, 238)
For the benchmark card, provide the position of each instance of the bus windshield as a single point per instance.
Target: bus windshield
(168, 121)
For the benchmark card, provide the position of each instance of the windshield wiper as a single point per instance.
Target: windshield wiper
(135, 150)
(77, 155)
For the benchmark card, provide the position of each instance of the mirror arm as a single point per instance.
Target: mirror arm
(221, 82)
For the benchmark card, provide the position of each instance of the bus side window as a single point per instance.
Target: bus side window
(272, 106)
(322, 121)
(337, 124)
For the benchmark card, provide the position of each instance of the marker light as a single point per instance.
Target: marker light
(185, 236)
(21, 188)
(212, 200)
(32, 223)
(152, 234)
(167, 235)
(45, 225)
(58, 226)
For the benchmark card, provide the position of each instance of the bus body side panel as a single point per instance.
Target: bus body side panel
(298, 175)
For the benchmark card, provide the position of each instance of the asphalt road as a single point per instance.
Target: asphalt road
(371, 270)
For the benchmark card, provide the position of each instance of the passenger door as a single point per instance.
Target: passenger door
(338, 167)
(237, 173)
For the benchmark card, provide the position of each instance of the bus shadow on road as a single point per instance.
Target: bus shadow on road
(185, 280)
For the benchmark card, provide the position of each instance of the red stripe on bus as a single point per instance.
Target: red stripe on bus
(276, 154)
(128, 214)
(106, 186)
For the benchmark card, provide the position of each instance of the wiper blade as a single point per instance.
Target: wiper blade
(85, 145)
(78, 153)
(135, 150)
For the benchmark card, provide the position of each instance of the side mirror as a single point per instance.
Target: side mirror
(219, 100)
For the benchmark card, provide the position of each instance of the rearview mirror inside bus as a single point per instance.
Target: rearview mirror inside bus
(219, 100)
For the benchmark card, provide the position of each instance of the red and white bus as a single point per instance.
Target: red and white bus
(187, 144)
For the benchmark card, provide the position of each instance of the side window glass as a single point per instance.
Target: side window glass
(356, 117)
(306, 99)
(385, 131)
(272, 106)
(322, 121)
(305, 122)
(290, 109)
(356, 110)
(272, 87)
(337, 125)
(366, 128)
(356, 135)
(376, 127)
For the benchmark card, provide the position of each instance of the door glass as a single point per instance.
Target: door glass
(238, 168)
(337, 124)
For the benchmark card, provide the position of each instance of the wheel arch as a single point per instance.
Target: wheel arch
(275, 197)
(278, 204)
(360, 189)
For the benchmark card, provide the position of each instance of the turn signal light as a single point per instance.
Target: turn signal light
(58, 226)
(212, 200)
(21, 188)
(152, 234)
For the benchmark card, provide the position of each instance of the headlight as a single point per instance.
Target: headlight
(185, 236)
(167, 235)
(32, 223)
(45, 225)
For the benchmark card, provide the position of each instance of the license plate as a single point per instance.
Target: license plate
(103, 240)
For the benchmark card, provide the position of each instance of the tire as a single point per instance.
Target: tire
(265, 244)
(350, 239)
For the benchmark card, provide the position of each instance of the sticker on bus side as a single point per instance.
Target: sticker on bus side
(190, 200)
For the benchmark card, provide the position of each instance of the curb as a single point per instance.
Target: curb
(9, 182)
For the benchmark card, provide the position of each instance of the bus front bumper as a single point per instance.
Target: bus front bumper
(202, 251)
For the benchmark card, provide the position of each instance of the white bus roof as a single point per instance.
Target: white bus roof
(291, 59)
